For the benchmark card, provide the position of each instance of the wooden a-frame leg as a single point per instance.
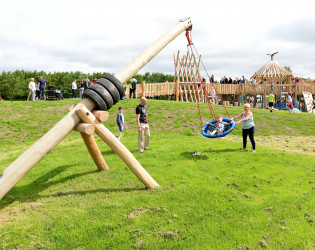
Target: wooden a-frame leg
(86, 130)
(94, 152)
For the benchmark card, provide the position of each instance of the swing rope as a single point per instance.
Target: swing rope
(188, 35)
(197, 93)
(197, 90)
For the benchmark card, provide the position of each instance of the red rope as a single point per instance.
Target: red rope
(203, 85)
(198, 104)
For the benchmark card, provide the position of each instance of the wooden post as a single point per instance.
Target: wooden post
(86, 130)
(94, 152)
(28, 97)
(143, 89)
(176, 90)
(118, 148)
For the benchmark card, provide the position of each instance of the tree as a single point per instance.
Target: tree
(288, 68)
(11, 85)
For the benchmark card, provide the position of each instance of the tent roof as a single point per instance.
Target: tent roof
(272, 69)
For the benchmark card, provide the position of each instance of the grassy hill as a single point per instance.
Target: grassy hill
(221, 199)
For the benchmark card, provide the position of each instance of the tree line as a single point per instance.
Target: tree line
(14, 85)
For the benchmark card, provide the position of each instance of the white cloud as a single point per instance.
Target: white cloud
(232, 36)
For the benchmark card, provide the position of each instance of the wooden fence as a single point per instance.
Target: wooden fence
(186, 91)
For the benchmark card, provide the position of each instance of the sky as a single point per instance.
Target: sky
(233, 37)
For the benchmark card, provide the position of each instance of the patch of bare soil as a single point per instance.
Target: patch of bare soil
(12, 212)
(297, 144)
(136, 212)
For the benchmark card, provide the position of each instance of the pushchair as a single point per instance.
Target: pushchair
(59, 95)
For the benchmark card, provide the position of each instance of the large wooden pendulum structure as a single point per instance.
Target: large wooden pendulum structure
(83, 118)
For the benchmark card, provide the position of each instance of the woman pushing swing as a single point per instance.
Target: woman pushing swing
(248, 126)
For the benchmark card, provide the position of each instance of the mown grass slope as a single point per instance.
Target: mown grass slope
(221, 199)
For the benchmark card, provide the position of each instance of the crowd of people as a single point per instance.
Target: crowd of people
(37, 89)
(225, 80)
(84, 84)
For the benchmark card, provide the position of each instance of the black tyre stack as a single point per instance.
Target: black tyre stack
(106, 92)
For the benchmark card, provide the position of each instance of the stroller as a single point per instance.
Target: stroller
(59, 95)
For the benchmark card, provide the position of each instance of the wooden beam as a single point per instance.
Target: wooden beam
(133, 67)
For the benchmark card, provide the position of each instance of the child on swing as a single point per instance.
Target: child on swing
(219, 126)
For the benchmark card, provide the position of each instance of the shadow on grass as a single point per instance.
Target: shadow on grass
(189, 155)
(222, 150)
(111, 152)
(30, 192)
(100, 190)
(108, 152)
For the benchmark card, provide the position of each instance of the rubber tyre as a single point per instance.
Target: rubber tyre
(96, 98)
(99, 89)
(116, 83)
(107, 84)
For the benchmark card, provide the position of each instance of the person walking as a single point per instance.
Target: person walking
(271, 99)
(143, 126)
(133, 87)
(74, 88)
(120, 120)
(248, 126)
(32, 88)
(41, 85)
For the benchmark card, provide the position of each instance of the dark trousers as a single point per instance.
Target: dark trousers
(37, 94)
(42, 94)
(74, 93)
(134, 93)
(250, 132)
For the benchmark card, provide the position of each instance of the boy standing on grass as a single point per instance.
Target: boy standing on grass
(120, 122)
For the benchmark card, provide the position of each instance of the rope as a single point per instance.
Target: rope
(208, 101)
(198, 104)
(207, 98)
(208, 76)
(196, 89)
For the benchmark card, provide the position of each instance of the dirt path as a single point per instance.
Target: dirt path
(297, 144)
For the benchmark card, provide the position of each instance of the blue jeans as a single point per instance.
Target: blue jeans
(42, 94)
(121, 128)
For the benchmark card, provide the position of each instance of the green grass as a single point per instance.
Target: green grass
(222, 199)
